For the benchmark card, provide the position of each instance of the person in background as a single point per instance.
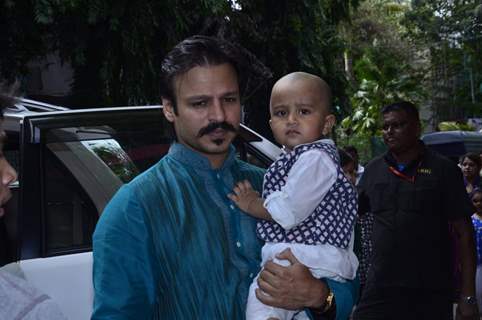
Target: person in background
(471, 166)
(477, 222)
(308, 206)
(348, 165)
(363, 229)
(170, 244)
(359, 169)
(413, 194)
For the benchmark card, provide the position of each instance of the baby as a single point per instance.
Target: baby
(308, 204)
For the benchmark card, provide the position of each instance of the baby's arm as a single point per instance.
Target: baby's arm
(248, 200)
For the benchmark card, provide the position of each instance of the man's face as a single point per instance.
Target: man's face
(400, 131)
(299, 113)
(208, 110)
(7, 175)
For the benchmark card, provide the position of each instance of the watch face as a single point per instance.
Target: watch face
(469, 300)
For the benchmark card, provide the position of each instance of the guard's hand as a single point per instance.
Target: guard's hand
(466, 311)
(243, 195)
(292, 287)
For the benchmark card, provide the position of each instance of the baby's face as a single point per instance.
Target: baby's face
(299, 113)
(477, 201)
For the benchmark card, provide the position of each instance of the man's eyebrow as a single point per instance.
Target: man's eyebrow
(231, 93)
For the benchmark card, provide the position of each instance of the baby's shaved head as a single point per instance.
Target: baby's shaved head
(317, 85)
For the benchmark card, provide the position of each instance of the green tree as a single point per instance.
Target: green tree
(451, 32)
(116, 47)
(382, 66)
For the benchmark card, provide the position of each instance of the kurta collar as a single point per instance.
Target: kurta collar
(196, 160)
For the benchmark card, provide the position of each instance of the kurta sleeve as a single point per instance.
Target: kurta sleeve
(124, 281)
(308, 181)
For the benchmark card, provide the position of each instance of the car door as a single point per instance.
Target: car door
(72, 163)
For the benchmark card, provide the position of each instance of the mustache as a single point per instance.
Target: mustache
(216, 125)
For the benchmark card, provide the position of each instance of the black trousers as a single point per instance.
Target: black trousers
(399, 303)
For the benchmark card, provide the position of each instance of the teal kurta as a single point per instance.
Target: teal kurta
(171, 245)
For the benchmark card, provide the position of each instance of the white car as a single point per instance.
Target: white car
(70, 163)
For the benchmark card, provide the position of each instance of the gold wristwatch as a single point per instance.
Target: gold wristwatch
(328, 301)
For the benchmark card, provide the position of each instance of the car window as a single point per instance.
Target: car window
(83, 168)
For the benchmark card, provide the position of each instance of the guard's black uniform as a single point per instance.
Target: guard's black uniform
(411, 273)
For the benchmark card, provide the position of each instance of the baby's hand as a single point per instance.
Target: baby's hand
(243, 195)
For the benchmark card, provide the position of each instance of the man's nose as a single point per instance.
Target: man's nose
(217, 112)
(8, 174)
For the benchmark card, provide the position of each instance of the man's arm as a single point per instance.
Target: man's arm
(294, 287)
(124, 284)
(466, 246)
(458, 209)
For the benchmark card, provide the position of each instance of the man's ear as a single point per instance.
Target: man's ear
(329, 123)
(168, 109)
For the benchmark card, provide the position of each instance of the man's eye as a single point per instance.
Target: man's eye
(200, 103)
(231, 99)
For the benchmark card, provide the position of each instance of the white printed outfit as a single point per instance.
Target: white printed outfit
(314, 209)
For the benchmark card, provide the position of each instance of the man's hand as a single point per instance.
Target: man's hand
(292, 287)
(466, 312)
(243, 195)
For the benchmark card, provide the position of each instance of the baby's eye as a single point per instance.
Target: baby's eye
(280, 113)
(305, 111)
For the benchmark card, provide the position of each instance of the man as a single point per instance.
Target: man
(413, 194)
(171, 245)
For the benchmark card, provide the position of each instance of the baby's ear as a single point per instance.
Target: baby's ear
(329, 123)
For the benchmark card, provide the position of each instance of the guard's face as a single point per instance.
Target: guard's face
(400, 131)
(7, 175)
(208, 110)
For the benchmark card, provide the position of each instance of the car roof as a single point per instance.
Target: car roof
(443, 137)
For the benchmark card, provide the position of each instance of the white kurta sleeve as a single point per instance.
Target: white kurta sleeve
(307, 183)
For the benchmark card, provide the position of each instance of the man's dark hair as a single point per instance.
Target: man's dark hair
(6, 97)
(474, 157)
(204, 51)
(409, 108)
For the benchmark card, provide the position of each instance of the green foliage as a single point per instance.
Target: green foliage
(452, 126)
(381, 65)
(452, 33)
(116, 47)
